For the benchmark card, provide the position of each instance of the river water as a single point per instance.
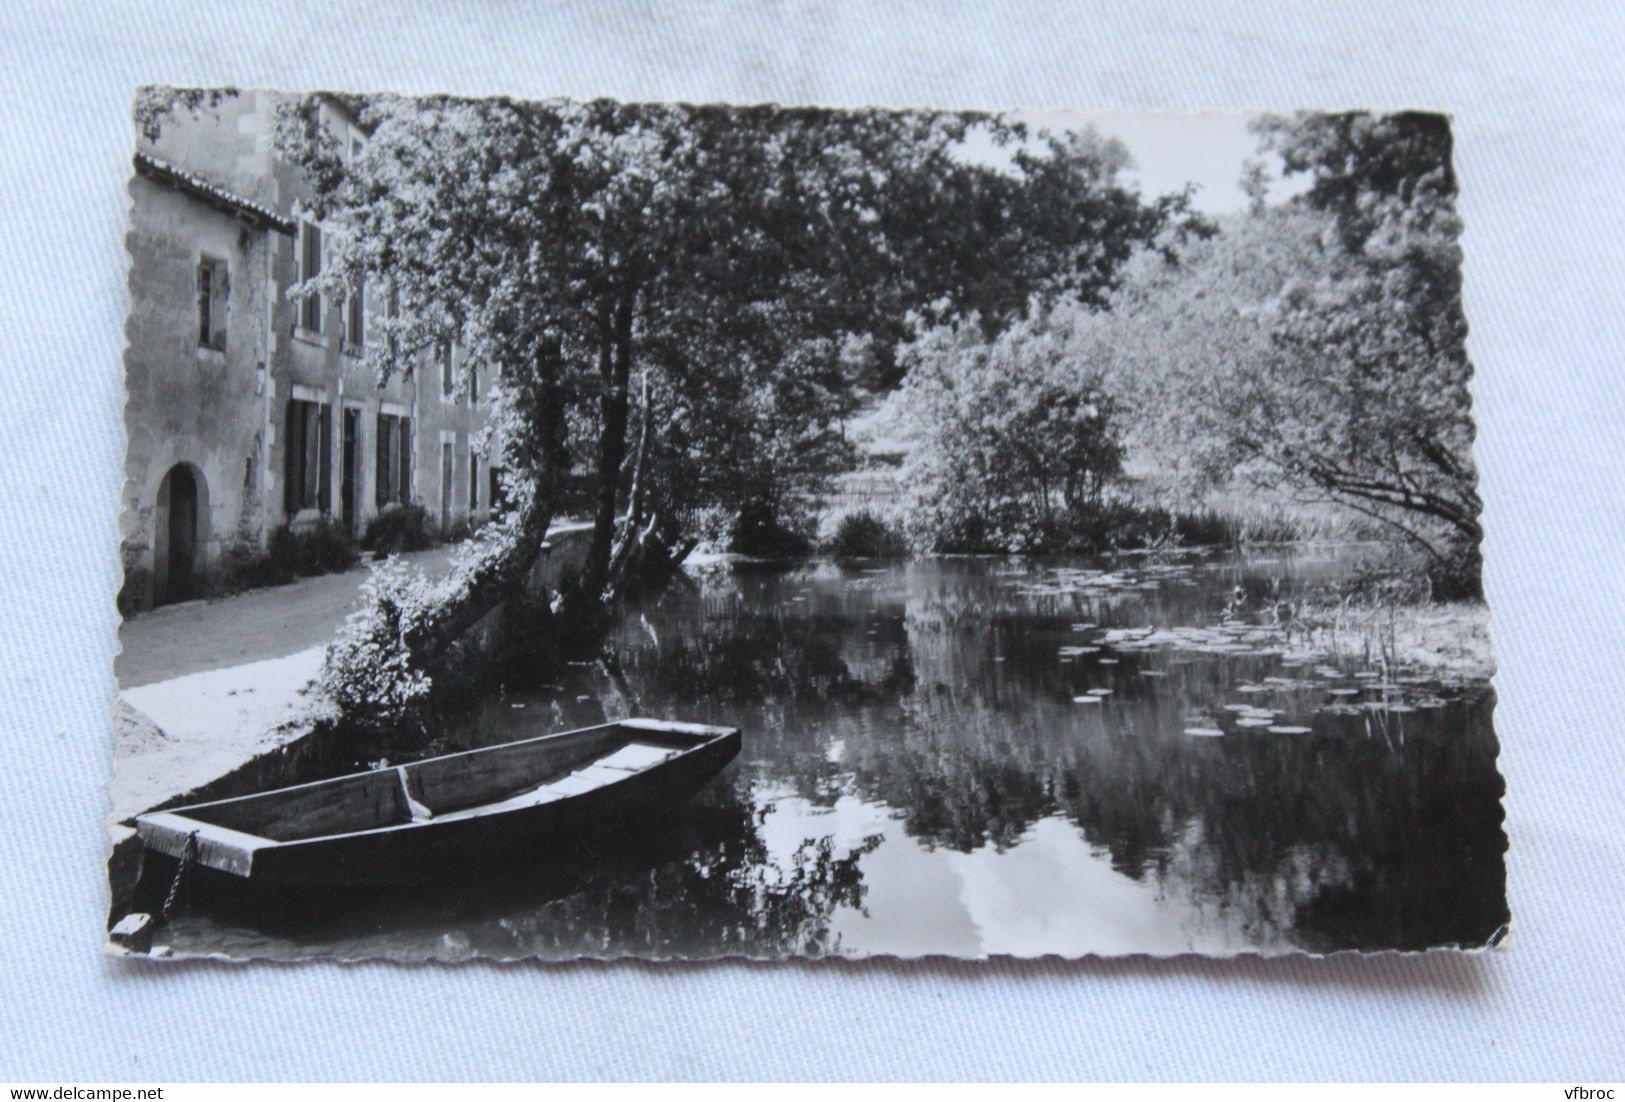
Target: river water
(973, 756)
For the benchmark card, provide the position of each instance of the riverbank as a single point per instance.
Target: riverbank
(1448, 639)
(208, 687)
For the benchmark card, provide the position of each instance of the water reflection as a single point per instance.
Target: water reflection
(972, 756)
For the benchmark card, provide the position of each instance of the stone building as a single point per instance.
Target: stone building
(247, 410)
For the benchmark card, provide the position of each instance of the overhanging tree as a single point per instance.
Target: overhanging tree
(1321, 343)
(579, 246)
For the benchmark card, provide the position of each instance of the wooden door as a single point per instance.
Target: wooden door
(181, 582)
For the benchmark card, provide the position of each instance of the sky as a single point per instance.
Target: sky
(1171, 149)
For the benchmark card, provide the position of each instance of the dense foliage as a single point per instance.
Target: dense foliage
(399, 528)
(746, 266)
(865, 534)
(1015, 437)
(1321, 345)
(1313, 349)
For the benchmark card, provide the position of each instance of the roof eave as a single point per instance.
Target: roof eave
(215, 196)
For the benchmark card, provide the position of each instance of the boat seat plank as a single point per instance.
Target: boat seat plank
(631, 758)
(533, 797)
(637, 755)
(577, 783)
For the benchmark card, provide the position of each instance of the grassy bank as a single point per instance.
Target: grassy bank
(1448, 638)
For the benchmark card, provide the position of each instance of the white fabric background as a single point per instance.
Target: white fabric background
(1536, 90)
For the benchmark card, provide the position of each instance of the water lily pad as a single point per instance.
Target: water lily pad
(1100, 692)
(1288, 729)
(1253, 721)
(1086, 700)
(1344, 692)
(1204, 732)
(1106, 661)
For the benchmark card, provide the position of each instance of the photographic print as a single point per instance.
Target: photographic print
(572, 529)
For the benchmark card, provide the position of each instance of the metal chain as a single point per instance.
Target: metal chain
(188, 856)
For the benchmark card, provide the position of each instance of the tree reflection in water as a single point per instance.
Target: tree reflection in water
(1375, 830)
(926, 715)
(700, 882)
(709, 886)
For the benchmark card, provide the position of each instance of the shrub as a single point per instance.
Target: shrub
(367, 670)
(759, 529)
(325, 548)
(246, 567)
(1017, 438)
(396, 529)
(864, 535)
(134, 594)
(713, 525)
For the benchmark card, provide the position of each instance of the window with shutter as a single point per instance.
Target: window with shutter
(213, 289)
(406, 459)
(308, 454)
(219, 300)
(355, 318)
(385, 467)
(324, 459)
(473, 480)
(205, 305)
(310, 482)
(310, 266)
(293, 450)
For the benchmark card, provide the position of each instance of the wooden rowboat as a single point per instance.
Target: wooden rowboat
(406, 823)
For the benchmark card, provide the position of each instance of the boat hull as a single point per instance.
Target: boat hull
(418, 850)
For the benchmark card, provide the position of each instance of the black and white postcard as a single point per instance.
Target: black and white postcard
(593, 529)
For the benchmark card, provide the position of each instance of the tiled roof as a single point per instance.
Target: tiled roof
(213, 194)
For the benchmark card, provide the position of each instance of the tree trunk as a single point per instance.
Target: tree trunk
(502, 572)
(627, 539)
(640, 465)
(612, 410)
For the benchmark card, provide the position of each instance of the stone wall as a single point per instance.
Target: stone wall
(190, 406)
(220, 416)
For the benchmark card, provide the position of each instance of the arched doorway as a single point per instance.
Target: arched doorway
(177, 542)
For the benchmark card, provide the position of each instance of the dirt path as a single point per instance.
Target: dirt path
(250, 627)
